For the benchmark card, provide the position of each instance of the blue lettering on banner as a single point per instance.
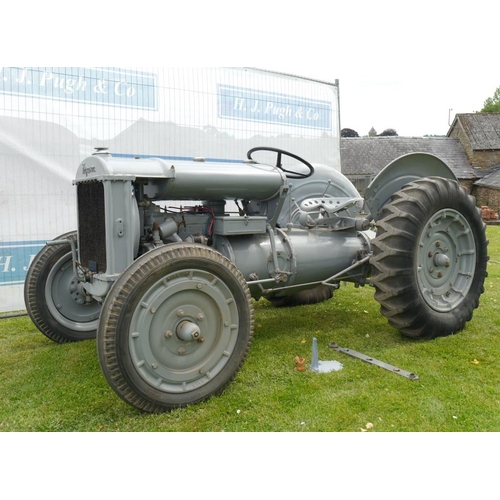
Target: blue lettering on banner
(269, 107)
(104, 86)
(15, 259)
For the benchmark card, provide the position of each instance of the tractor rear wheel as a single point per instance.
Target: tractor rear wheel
(55, 299)
(175, 328)
(430, 257)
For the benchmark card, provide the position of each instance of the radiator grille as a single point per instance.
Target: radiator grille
(92, 226)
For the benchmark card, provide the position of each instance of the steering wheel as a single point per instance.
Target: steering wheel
(293, 175)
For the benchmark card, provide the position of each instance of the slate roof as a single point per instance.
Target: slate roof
(482, 129)
(369, 155)
(491, 180)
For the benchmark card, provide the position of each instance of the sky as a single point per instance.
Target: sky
(410, 66)
(406, 66)
(401, 65)
(414, 101)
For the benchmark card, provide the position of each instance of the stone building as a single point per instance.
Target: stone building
(364, 157)
(487, 191)
(471, 149)
(479, 134)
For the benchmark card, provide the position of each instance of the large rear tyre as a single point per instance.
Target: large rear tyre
(175, 328)
(430, 257)
(55, 300)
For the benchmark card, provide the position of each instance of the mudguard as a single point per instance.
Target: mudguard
(400, 172)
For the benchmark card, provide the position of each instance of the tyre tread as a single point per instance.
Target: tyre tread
(392, 261)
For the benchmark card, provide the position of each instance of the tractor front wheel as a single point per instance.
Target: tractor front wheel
(55, 300)
(175, 328)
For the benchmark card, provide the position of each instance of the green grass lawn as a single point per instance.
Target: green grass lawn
(49, 387)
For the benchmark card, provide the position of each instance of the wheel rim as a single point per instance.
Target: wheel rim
(183, 331)
(446, 260)
(66, 299)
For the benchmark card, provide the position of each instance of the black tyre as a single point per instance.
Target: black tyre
(310, 296)
(175, 328)
(55, 301)
(430, 258)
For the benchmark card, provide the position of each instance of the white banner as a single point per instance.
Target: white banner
(51, 118)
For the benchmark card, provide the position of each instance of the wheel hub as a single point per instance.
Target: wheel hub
(77, 292)
(446, 260)
(188, 331)
(439, 263)
(441, 260)
(67, 300)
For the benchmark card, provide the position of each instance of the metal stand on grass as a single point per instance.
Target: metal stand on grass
(323, 366)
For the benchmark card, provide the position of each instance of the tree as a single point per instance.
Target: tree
(388, 132)
(492, 104)
(348, 132)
